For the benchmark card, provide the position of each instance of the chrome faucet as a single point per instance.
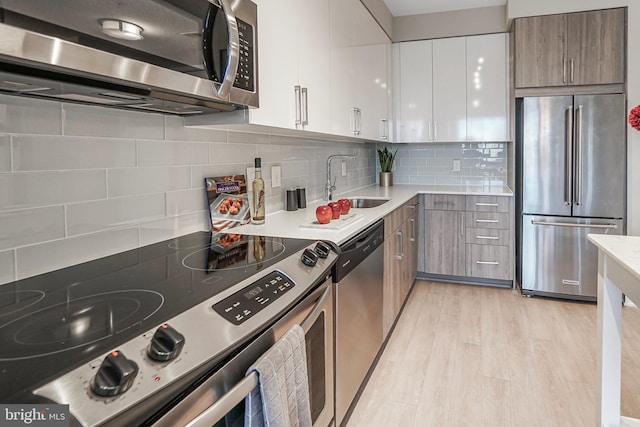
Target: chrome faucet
(330, 188)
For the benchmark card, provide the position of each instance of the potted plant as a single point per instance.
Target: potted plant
(386, 159)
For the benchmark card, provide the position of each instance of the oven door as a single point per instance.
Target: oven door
(219, 401)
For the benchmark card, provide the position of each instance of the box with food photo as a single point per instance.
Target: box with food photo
(228, 201)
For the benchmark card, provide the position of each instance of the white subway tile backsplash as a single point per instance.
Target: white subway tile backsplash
(175, 130)
(7, 267)
(186, 201)
(199, 173)
(32, 189)
(236, 153)
(98, 215)
(5, 153)
(157, 231)
(161, 153)
(37, 152)
(133, 181)
(27, 226)
(48, 256)
(25, 115)
(235, 137)
(85, 120)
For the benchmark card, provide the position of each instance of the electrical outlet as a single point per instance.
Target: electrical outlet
(276, 176)
(344, 168)
(251, 175)
(456, 165)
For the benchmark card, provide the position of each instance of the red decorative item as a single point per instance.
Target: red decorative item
(634, 117)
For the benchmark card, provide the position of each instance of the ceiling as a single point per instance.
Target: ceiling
(416, 7)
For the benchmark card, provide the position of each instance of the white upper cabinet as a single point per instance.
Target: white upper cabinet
(451, 90)
(487, 117)
(412, 93)
(360, 56)
(294, 57)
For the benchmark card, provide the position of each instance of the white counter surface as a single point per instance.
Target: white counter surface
(618, 273)
(287, 224)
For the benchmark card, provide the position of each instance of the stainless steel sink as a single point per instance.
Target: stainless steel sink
(366, 203)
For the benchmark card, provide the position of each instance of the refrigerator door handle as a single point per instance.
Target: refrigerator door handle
(569, 224)
(578, 163)
(568, 159)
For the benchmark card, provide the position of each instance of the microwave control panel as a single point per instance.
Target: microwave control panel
(245, 76)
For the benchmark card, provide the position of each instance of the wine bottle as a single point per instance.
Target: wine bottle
(258, 194)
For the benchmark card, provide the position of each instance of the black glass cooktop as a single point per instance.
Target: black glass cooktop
(51, 323)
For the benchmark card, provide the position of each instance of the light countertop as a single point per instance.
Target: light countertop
(287, 223)
(625, 250)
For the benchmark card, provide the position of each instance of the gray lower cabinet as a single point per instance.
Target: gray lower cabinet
(444, 242)
(469, 237)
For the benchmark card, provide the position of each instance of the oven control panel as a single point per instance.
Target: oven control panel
(248, 301)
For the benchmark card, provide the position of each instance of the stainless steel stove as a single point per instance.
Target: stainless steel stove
(123, 338)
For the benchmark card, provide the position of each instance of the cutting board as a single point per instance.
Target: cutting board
(335, 224)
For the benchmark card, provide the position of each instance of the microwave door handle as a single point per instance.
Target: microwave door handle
(229, 400)
(232, 49)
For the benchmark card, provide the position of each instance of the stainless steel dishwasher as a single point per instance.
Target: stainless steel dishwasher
(358, 290)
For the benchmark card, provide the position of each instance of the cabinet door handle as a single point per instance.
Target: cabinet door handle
(564, 70)
(429, 136)
(493, 205)
(304, 107)
(296, 91)
(400, 254)
(490, 221)
(435, 130)
(384, 129)
(488, 262)
(356, 124)
(571, 70)
(413, 230)
(487, 237)
(462, 223)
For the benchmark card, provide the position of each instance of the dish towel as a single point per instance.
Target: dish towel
(281, 398)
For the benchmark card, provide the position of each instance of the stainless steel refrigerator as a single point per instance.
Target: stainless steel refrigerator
(572, 182)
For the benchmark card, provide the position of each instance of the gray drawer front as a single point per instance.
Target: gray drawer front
(488, 203)
(487, 236)
(487, 261)
(445, 202)
(487, 220)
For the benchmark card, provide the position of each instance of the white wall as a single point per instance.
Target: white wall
(520, 8)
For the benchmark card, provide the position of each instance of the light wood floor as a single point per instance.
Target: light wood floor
(477, 356)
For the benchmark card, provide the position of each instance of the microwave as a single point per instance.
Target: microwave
(180, 57)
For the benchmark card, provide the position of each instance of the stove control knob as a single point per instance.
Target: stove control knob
(322, 249)
(115, 375)
(309, 258)
(166, 344)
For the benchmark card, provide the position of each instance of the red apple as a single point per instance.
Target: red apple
(345, 205)
(336, 209)
(323, 214)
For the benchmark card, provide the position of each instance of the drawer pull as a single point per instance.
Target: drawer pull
(488, 237)
(488, 262)
(494, 205)
(492, 221)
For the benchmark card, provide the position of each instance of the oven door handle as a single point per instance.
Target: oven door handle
(229, 400)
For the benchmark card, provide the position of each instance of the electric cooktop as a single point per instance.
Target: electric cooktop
(53, 322)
